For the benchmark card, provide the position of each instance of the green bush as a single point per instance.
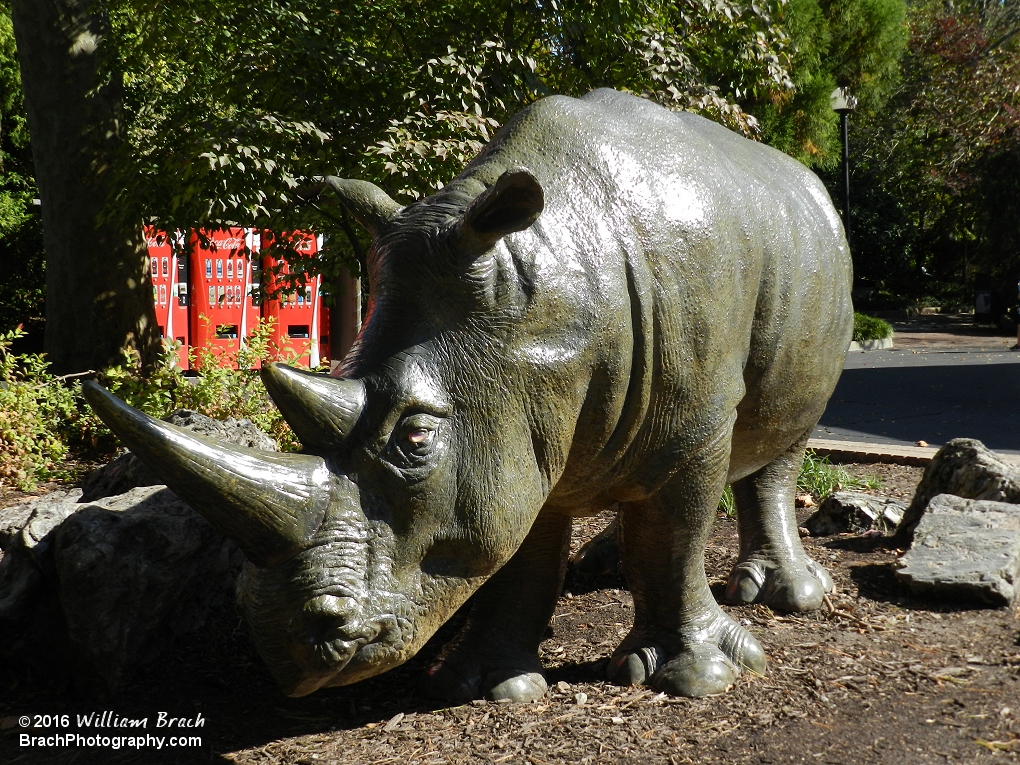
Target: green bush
(817, 477)
(42, 417)
(820, 478)
(37, 413)
(870, 328)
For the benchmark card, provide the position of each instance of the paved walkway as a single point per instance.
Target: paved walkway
(945, 378)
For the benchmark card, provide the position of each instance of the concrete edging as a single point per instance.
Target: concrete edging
(871, 345)
(860, 451)
(856, 451)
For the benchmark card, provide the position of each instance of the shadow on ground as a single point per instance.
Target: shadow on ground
(929, 403)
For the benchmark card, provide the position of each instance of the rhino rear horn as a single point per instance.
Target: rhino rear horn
(370, 205)
(321, 410)
(269, 503)
(513, 203)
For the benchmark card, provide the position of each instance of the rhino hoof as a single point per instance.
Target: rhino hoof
(523, 687)
(634, 667)
(702, 670)
(786, 588)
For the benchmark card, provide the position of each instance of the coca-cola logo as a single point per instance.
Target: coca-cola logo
(233, 243)
(155, 241)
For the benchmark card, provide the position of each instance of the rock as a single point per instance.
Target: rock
(96, 583)
(124, 473)
(127, 471)
(963, 468)
(96, 590)
(30, 618)
(847, 511)
(12, 519)
(134, 571)
(965, 549)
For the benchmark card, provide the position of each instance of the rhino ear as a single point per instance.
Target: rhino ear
(371, 206)
(512, 204)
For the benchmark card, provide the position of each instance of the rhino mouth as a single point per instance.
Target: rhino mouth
(349, 655)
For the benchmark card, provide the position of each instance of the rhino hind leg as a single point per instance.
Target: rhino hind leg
(495, 655)
(773, 568)
(682, 643)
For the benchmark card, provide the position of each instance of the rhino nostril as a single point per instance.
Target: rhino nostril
(331, 607)
(328, 617)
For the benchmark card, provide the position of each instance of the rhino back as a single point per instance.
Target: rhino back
(700, 277)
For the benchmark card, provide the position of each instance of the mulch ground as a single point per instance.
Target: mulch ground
(878, 676)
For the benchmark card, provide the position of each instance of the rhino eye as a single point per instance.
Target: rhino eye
(419, 436)
(416, 437)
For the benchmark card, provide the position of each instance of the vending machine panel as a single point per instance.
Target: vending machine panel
(300, 320)
(165, 261)
(222, 312)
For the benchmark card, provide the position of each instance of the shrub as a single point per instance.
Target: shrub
(226, 384)
(870, 328)
(820, 478)
(817, 477)
(42, 417)
(36, 410)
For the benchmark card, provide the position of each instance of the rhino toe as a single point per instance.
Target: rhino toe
(701, 670)
(444, 682)
(516, 686)
(459, 682)
(791, 587)
(634, 666)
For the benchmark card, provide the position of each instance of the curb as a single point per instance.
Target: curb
(858, 451)
(871, 345)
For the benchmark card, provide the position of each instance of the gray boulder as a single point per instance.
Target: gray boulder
(963, 468)
(30, 619)
(847, 511)
(133, 572)
(108, 585)
(965, 549)
(96, 583)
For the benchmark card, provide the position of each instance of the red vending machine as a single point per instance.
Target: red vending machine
(301, 321)
(169, 270)
(222, 309)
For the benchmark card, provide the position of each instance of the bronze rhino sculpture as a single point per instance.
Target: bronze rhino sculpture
(613, 306)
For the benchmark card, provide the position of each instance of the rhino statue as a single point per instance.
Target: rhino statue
(612, 306)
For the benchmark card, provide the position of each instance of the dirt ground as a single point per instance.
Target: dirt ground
(879, 676)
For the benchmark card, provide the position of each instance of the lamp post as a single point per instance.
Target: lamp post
(843, 103)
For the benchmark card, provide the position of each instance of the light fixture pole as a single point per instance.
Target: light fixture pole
(843, 103)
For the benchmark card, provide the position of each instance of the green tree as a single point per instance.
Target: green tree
(21, 251)
(221, 112)
(943, 153)
(852, 44)
(99, 300)
(234, 105)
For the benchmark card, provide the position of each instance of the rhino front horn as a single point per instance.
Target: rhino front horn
(322, 410)
(269, 503)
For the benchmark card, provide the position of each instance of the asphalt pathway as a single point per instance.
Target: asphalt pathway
(923, 393)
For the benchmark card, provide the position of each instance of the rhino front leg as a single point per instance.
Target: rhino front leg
(495, 655)
(773, 568)
(682, 643)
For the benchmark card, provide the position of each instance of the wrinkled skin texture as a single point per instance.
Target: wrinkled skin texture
(612, 306)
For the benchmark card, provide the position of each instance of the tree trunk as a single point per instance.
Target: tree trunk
(98, 291)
